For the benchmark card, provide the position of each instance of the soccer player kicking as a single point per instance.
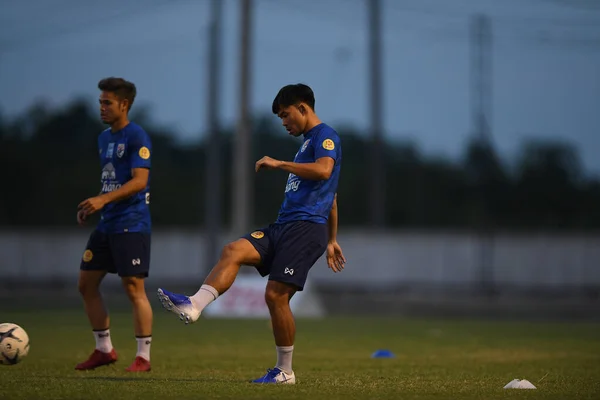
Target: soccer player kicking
(286, 250)
(121, 241)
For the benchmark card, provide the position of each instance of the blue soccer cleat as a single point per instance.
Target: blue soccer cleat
(180, 305)
(276, 375)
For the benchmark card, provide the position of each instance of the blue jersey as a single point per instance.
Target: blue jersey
(310, 200)
(120, 152)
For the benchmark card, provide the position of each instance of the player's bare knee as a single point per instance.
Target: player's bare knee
(278, 294)
(86, 289)
(228, 251)
(88, 286)
(271, 298)
(274, 299)
(234, 252)
(134, 288)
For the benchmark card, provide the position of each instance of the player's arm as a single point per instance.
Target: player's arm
(335, 257)
(332, 221)
(82, 215)
(137, 183)
(317, 171)
(325, 152)
(320, 170)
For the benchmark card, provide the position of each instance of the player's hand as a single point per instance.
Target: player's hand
(267, 163)
(81, 217)
(335, 257)
(92, 205)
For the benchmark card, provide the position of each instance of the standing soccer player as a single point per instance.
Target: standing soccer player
(287, 249)
(121, 241)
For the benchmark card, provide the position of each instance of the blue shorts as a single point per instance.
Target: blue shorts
(288, 251)
(125, 254)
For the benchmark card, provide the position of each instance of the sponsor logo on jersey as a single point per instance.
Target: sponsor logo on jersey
(109, 150)
(109, 179)
(292, 184)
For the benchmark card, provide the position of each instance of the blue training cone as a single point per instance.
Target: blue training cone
(383, 354)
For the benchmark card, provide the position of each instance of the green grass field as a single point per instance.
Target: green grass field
(214, 359)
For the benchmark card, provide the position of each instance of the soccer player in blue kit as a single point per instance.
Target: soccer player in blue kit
(286, 250)
(121, 241)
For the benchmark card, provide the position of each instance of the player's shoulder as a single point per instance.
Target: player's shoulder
(327, 132)
(327, 137)
(327, 129)
(104, 136)
(104, 133)
(133, 130)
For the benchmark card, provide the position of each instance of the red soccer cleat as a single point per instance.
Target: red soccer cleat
(140, 364)
(97, 359)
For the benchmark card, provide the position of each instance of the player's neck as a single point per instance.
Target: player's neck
(312, 123)
(120, 124)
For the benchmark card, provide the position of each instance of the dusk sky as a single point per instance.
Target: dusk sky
(546, 63)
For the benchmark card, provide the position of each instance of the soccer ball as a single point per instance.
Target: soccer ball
(14, 344)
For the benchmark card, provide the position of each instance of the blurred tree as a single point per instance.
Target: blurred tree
(487, 186)
(549, 184)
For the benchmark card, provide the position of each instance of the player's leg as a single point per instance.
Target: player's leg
(233, 256)
(96, 262)
(244, 251)
(131, 252)
(277, 297)
(142, 310)
(142, 321)
(300, 246)
(93, 303)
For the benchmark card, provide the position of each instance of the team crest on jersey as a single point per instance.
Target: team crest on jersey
(120, 150)
(328, 144)
(257, 235)
(87, 256)
(304, 146)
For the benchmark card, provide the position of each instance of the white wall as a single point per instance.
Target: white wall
(373, 258)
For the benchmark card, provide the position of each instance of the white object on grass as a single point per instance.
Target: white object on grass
(519, 384)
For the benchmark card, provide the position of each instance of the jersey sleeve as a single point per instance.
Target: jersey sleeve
(327, 145)
(140, 150)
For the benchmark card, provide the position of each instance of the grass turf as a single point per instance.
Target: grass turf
(215, 359)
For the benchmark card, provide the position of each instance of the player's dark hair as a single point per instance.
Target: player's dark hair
(120, 87)
(293, 94)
